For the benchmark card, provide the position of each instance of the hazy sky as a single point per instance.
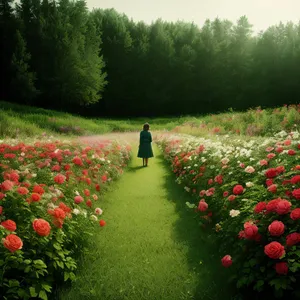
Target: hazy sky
(261, 13)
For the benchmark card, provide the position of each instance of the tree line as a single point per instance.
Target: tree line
(58, 54)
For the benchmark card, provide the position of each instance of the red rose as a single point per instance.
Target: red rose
(274, 250)
(231, 197)
(241, 234)
(279, 149)
(77, 161)
(1, 210)
(280, 169)
(97, 187)
(78, 199)
(291, 152)
(1, 195)
(64, 207)
(226, 261)
(41, 227)
(296, 194)
(58, 222)
(287, 142)
(276, 228)
(22, 190)
(104, 178)
(67, 167)
(89, 203)
(272, 205)
(260, 206)
(202, 206)
(250, 230)
(295, 214)
(38, 189)
(292, 239)
(283, 207)
(7, 185)
(102, 223)
(59, 178)
(58, 213)
(272, 188)
(225, 194)
(282, 268)
(269, 182)
(238, 189)
(12, 243)
(35, 197)
(219, 179)
(55, 168)
(263, 162)
(9, 225)
(271, 155)
(295, 179)
(87, 192)
(271, 173)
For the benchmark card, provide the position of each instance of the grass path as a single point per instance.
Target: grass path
(152, 247)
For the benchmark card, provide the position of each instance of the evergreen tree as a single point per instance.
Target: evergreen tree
(21, 75)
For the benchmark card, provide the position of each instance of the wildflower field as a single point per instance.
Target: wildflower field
(248, 191)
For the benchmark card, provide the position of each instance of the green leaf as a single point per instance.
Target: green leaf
(43, 295)
(46, 287)
(259, 283)
(66, 276)
(32, 291)
(27, 261)
(57, 246)
(190, 205)
(39, 264)
(13, 283)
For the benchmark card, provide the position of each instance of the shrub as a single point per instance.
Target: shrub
(43, 227)
(251, 191)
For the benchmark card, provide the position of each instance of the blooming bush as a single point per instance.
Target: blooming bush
(251, 190)
(49, 195)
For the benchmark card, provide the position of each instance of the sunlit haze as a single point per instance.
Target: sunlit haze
(261, 13)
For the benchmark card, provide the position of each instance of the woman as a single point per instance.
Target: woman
(145, 149)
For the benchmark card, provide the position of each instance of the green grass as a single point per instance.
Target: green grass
(20, 120)
(254, 122)
(152, 247)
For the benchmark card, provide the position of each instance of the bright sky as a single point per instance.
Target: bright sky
(261, 13)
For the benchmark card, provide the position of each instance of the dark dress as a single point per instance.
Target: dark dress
(145, 149)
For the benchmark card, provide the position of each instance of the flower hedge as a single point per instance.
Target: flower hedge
(251, 191)
(49, 198)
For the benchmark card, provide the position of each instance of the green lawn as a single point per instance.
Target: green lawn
(152, 247)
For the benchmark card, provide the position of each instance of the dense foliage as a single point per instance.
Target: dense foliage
(50, 193)
(57, 54)
(250, 192)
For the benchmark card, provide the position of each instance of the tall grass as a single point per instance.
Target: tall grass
(17, 120)
(20, 120)
(254, 122)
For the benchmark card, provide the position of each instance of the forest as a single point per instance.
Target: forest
(60, 55)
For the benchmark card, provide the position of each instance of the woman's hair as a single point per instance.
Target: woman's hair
(146, 126)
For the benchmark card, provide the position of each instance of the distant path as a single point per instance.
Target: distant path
(129, 137)
(152, 247)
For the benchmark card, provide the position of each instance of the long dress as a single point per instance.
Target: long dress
(145, 148)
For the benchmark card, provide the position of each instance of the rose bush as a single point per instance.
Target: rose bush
(43, 225)
(251, 190)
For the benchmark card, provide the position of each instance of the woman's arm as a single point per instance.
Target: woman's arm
(150, 137)
(141, 135)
